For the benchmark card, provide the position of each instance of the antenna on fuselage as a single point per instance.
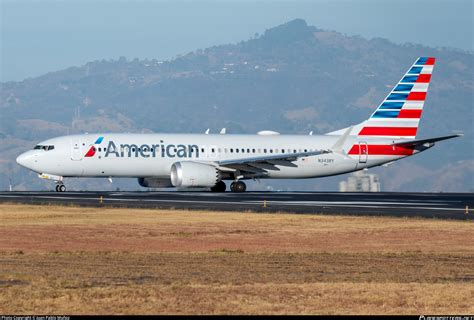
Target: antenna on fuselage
(223, 130)
(207, 131)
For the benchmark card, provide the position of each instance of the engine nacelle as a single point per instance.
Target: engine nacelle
(194, 174)
(155, 183)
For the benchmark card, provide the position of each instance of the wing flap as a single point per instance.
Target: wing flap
(284, 163)
(268, 159)
(242, 167)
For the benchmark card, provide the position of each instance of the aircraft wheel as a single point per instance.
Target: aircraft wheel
(219, 187)
(61, 188)
(238, 186)
(57, 188)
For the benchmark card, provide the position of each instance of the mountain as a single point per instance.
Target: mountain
(294, 78)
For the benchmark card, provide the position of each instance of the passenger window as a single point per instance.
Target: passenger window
(231, 150)
(253, 150)
(264, 150)
(212, 150)
(243, 150)
(248, 150)
(305, 150)
(282, 150)
(271, 150)
(237, 150)
(202, 150)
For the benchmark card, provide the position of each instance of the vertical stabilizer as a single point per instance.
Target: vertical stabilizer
(399, 114)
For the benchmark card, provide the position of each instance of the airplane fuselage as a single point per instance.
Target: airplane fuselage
(152, 155)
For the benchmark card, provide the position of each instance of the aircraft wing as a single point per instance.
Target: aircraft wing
(415, 143)
(268, 162)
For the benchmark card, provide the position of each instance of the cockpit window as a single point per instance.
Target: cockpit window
(45, 148)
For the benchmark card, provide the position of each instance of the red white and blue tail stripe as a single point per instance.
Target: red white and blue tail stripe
(399, 114)
(389, 134)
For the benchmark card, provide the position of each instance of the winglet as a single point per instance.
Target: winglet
(337, 147)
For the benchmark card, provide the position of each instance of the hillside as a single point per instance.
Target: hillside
(294, 78)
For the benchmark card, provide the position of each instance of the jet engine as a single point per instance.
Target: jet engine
(194, 174)
(155, 182)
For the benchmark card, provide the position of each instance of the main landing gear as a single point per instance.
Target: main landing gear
(60, 187)
(238, 186)
(219, 187)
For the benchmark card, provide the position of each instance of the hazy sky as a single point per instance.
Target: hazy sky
(42, 36)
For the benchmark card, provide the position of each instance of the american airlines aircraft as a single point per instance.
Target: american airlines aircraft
(207, 160)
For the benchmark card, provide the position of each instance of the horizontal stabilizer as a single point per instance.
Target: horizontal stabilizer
(414, 143)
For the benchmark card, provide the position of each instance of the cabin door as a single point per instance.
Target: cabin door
(76, 150)
(363, 152)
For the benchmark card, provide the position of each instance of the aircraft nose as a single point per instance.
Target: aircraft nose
(21, 159)
(25, 159)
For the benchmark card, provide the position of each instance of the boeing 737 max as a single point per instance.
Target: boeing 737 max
(206, 160)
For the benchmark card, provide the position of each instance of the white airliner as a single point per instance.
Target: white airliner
(207, 160)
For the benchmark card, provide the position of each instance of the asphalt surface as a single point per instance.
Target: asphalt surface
(429, 205)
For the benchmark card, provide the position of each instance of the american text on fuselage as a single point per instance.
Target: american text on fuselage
(154, 150)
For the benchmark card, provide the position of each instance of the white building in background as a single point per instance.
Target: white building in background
(360, 181)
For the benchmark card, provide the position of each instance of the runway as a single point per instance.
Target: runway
(430, 205)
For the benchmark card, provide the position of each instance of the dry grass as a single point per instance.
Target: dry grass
(143, 230)
(125, 261)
